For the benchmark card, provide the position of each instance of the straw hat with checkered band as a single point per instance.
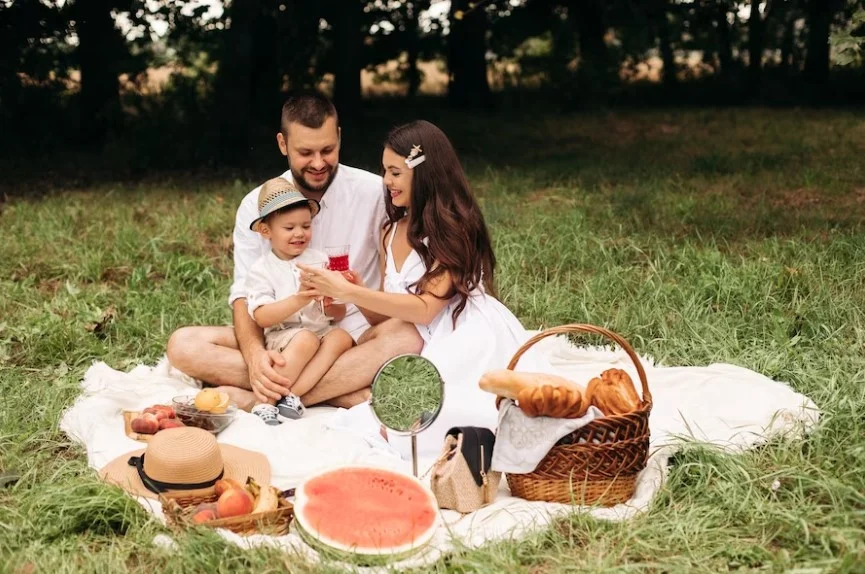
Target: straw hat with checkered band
(277, 193)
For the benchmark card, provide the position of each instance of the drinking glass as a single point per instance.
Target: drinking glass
(337, 260)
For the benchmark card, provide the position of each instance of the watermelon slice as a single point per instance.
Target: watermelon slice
(365, 514)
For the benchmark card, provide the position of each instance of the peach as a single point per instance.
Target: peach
(145, 424)
(225, 484)
(161, 411)
(234, 502)
(204, 513)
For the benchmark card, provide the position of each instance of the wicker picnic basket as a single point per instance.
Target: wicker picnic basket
(178, 508)
(598, 463)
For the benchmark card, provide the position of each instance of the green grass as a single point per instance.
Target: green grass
(702, 236)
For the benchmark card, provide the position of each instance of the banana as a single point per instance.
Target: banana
(266, 497)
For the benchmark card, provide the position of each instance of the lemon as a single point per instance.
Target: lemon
(223, 404)
(207, 399)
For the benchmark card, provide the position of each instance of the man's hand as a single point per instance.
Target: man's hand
(265, 382)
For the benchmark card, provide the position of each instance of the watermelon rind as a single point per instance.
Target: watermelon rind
(358, 555)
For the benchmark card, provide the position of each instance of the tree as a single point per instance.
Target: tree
(595, 62)
(101, 47)
(820, 15)
(347, 45)
(467, 64)
(234, 82)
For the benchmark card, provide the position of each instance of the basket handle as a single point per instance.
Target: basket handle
(585, 328)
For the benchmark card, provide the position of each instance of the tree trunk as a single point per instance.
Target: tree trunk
(348, 43)
(467, 63)
(234, 81)
(594, 71)
(787, 41)
(725, 41)
(266, 82)
(668, 56)
(299, 22)
(99, 46)
(756, 38)
(591, 30)
(820, 13)
(412, 48)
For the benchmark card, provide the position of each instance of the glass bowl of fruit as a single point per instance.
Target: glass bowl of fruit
(210, 410)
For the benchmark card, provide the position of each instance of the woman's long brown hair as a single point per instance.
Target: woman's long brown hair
(444, 210)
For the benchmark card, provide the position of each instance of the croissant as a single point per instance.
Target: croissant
(537, 394)
(613, 393)
(550, 401)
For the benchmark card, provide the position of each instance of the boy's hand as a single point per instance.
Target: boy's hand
(334, 311)
(353, 277)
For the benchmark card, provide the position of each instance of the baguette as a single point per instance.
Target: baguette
(537, 394)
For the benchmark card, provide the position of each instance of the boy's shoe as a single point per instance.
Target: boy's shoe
(268, 413)
(290, 407)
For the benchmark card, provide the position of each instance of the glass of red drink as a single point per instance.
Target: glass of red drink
(337, 259)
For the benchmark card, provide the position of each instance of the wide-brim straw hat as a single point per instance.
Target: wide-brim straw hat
(186, 459)
(277, 193)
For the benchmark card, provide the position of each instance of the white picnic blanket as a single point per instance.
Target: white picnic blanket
(723, 405)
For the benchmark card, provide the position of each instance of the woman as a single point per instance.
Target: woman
(437, 272)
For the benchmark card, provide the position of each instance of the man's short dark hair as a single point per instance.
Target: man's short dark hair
(310, 110)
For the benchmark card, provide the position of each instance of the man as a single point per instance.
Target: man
(352, 213)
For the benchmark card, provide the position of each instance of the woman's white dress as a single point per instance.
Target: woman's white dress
(485, 337)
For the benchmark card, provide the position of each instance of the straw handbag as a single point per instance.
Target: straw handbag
(597, 463)
(462, 479)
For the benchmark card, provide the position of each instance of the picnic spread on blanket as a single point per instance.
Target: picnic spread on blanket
(429, 464)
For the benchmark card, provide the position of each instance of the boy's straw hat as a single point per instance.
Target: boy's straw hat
(187, 459)
(277, 193)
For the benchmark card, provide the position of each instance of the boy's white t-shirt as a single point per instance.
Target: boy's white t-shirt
(352, 213)
(272, 279)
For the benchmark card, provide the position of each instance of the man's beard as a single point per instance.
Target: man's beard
(300, 180)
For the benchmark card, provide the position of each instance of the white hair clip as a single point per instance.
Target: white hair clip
(415, 157)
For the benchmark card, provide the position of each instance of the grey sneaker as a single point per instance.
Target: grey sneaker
(268, 413)
(290, 407)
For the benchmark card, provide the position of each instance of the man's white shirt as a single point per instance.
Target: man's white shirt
(352, 213)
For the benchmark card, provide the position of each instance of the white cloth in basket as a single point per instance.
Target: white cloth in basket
(523, 441)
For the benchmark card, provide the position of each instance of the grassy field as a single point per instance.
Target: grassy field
(702, 236)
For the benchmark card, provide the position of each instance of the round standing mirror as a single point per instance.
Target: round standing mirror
(407, 396)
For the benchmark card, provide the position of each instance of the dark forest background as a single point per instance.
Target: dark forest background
(133, 87)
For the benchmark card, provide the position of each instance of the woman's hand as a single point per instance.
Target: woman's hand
(317, 282)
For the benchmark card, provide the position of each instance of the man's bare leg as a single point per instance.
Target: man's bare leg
(351, 399)
(209, 354)
(354, 370)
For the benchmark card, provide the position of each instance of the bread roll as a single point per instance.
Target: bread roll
(613, 393)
